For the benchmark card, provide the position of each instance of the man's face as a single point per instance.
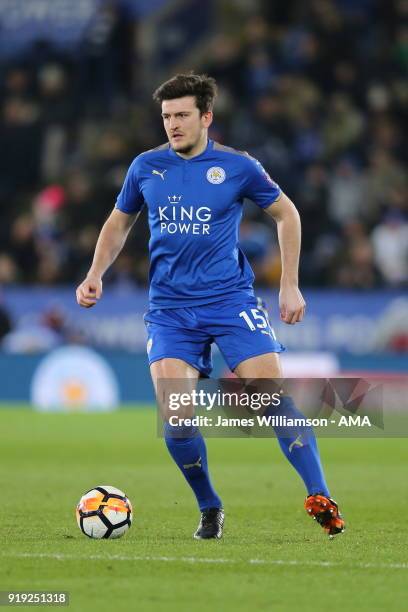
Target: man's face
(183, 123)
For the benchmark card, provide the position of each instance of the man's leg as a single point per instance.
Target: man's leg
(187, 446)
(299, 446)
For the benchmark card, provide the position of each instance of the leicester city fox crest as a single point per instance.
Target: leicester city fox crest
(216, 175)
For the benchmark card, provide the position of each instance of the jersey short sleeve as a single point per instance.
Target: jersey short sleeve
(130, 200)
(258, 185)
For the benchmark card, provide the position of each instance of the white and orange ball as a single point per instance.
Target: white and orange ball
(104, 512)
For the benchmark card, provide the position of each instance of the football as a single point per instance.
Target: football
(104, 512)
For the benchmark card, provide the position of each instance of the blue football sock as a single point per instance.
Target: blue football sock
(299, 446)
(187, 447)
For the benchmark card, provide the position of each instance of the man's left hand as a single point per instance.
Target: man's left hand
(291, 304)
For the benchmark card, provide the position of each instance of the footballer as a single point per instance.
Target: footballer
(201, 284)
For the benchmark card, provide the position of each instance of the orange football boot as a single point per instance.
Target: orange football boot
(325, 511)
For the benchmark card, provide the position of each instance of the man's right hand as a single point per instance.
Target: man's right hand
(89, 291)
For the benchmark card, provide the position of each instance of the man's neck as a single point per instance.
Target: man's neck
(199, 148)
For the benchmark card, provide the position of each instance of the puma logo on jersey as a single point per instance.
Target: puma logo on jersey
(161, 174)
(192, 465)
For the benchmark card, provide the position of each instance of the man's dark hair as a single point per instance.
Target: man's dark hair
(201, 86)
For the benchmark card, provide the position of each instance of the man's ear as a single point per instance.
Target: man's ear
(207, 119)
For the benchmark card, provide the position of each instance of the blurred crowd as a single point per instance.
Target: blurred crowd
(317, 91)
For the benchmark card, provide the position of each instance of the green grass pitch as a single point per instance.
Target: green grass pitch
(272, 557)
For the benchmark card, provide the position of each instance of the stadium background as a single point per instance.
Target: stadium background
(316, 91)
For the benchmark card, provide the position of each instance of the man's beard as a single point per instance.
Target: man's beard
(184, 149)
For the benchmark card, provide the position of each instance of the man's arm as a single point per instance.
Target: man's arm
(291, 302)
(110, 243)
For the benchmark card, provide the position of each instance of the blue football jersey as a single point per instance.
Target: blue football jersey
(195, 208)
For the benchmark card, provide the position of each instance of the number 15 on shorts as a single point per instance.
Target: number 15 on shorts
(257, 321)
